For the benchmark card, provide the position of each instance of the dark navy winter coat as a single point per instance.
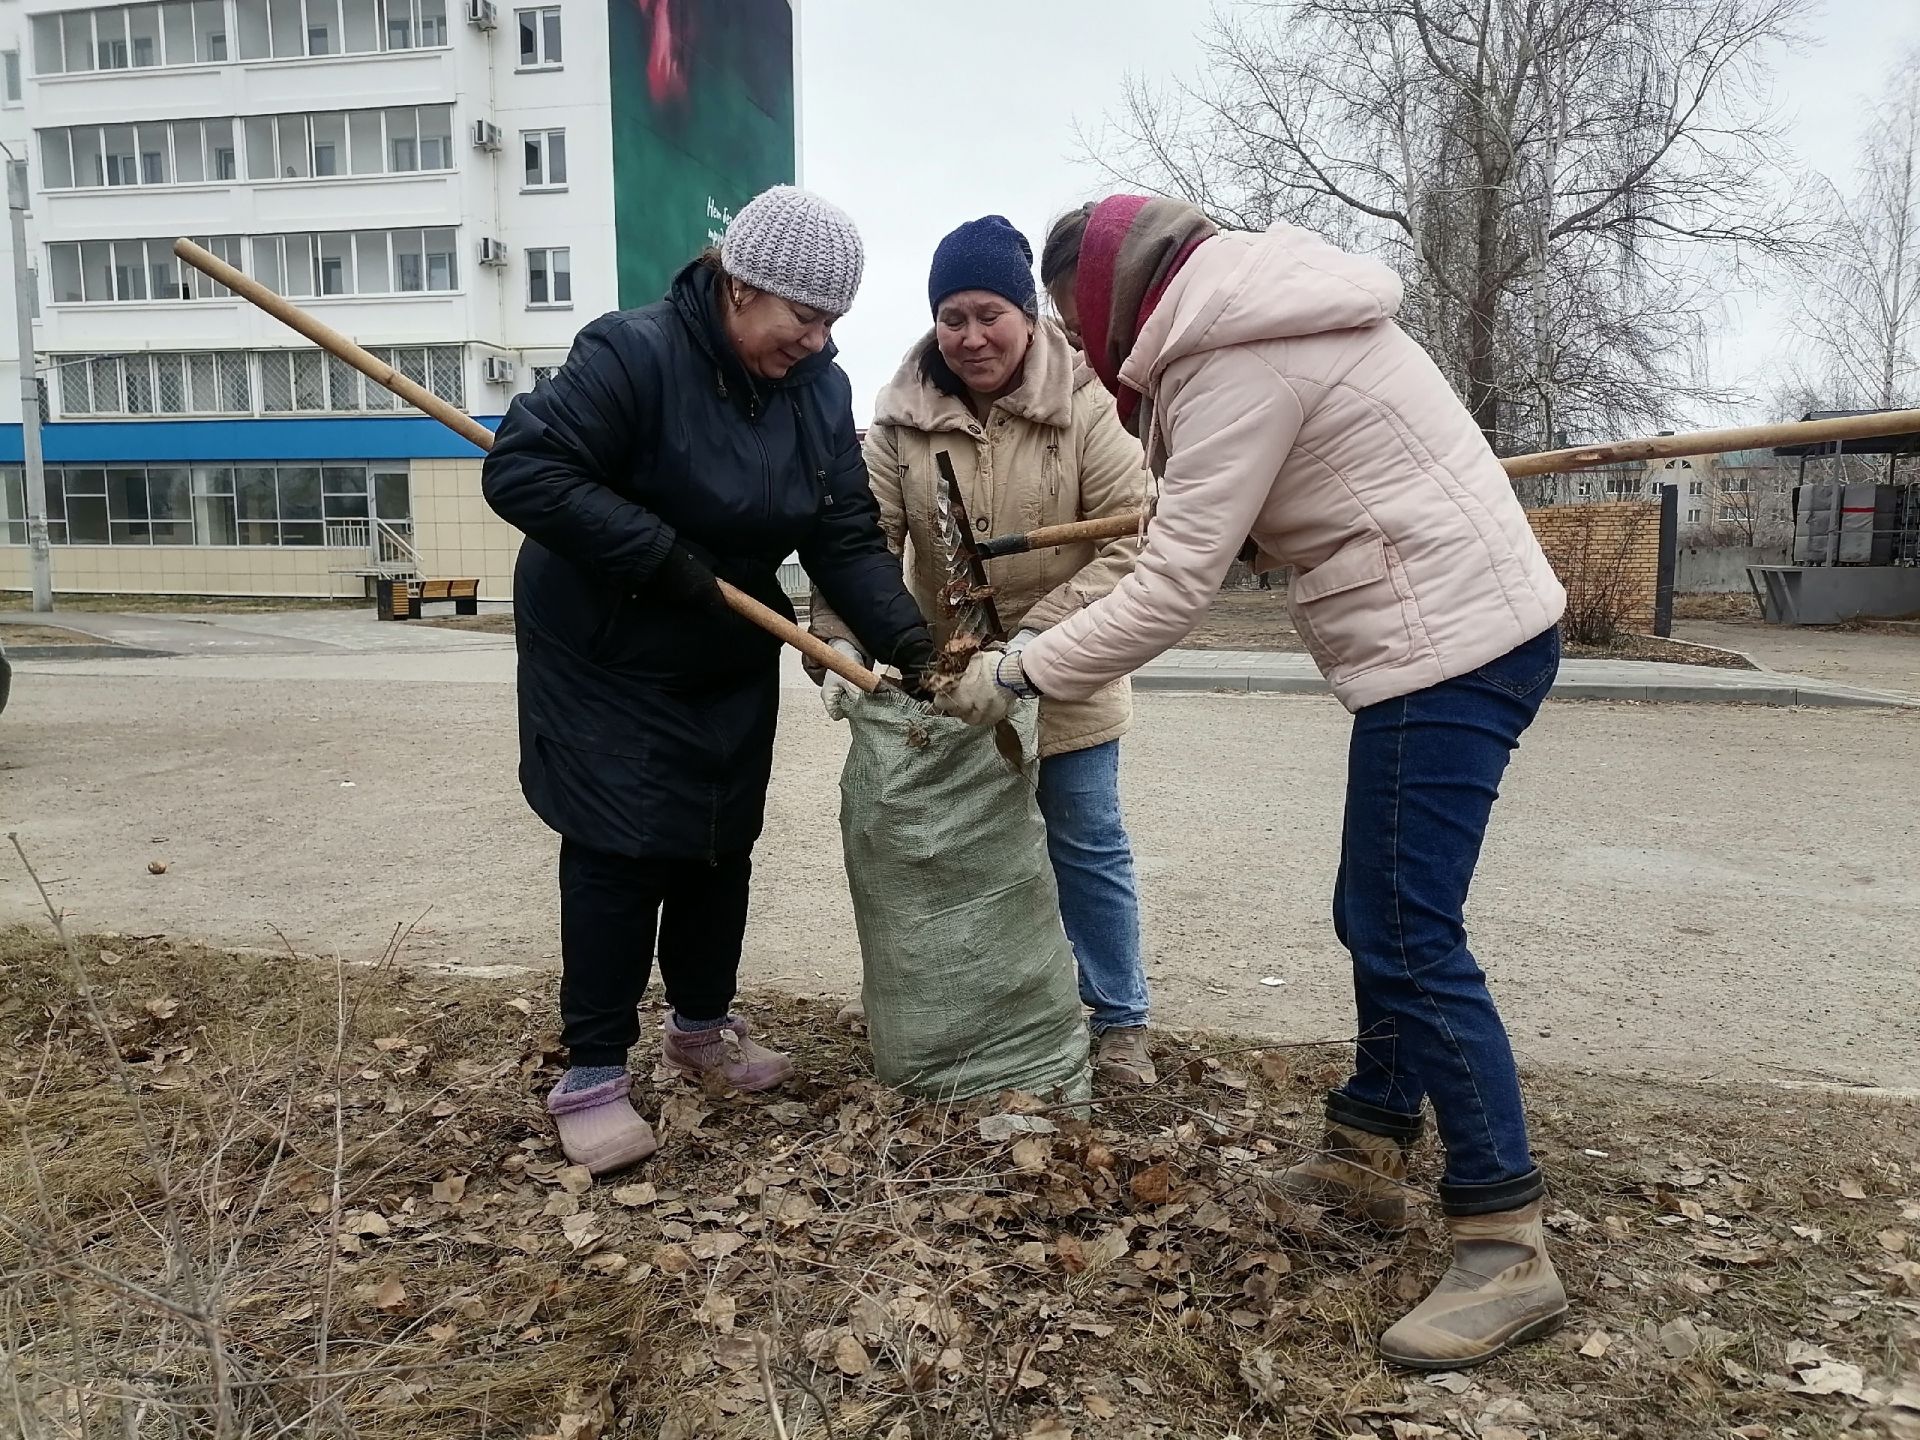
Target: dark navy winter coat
(646, 727)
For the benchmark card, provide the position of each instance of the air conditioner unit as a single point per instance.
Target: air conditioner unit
(482, 15)
(493, 252)
(499, 370)
(486, 135)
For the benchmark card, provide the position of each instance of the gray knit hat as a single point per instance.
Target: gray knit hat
(790, 242)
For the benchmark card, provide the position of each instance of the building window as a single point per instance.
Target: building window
(10, 63)
(138, 37)
(312, 382)
(290, 29)
(204, 383)
(194, 32)
(1697, 488)
(100, 272)
(540, 38)
(271, 147)
(544, 373)
(546, 159)
(1736, 485)
(549, 278)
(365, 262)
(211, 504)
(1693, 517)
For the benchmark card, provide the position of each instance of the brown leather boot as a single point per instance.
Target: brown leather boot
(1360, 1174)
(1500, 1291)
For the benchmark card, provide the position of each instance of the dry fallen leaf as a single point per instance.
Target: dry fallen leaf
(718, 1311)
(997, 1128)
(850, 1357)
(162, 1009)
(1831, 1377)
(1852, 1190)
(717, 1245)
(390, 1295)
(1679, 1338)
(367, 1222)
(1051, 1428)
(1261, 1374)
(442, 1333)
(1099, 1407)
(525, 1007)
(1032, 1153)
(575, 1179)
(609, 1263)
(581, 1230)
(635, 1195)
(450, 1190)
(1597, 1345)
(1154, 1185)
(1895, 1242)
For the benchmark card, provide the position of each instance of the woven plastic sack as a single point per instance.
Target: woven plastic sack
(967, 978)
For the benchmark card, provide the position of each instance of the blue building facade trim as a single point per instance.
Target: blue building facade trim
(220, 442)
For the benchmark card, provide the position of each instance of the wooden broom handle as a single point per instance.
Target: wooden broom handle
(1548, 462)
(468, 428)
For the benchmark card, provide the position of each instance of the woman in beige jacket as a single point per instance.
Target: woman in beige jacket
(1280, 402)
(1034, 440)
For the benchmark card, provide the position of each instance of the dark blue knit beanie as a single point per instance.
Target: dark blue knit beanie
(984, 254)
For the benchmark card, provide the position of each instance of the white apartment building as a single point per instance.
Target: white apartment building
(431, 177)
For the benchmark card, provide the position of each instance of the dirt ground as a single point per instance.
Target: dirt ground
(350, 1169)
(1700, 892)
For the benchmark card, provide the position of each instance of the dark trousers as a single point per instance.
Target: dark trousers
(612, 911)
(1422, 774)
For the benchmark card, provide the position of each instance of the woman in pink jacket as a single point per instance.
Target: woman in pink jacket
(1279, 402)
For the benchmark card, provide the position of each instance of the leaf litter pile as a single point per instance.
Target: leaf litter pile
(292, 1198)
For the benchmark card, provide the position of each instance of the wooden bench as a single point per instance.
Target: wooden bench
(402, 599)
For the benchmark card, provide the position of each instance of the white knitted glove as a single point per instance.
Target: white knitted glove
(979, 697)
(835, 688)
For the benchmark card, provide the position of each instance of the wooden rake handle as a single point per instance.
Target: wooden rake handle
(464, 425)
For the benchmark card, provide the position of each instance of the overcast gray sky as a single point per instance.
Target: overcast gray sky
(916, 117)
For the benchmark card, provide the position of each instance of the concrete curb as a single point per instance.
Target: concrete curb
(1779, 691)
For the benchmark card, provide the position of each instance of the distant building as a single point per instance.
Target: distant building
(458, 185)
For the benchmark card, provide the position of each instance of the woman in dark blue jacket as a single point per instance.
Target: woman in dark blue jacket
(708, 435)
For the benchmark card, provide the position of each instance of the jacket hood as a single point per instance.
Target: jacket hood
(1244, 287)
(1054, 373)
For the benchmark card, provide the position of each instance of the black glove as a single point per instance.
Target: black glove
(684, 578)
(914, 658)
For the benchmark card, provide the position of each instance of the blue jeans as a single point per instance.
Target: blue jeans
(1093, 869)
(1422, 774)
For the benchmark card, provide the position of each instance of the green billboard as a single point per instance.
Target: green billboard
(703, 121)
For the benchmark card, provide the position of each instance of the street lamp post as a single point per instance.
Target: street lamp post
(41, 556)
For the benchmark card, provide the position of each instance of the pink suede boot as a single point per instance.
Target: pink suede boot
(599, 1128)
(726, 1051)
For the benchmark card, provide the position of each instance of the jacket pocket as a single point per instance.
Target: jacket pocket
(1349, 610)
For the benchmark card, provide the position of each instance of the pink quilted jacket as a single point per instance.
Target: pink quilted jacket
(1290, 407)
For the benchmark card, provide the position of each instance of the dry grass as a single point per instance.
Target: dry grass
(263, 1196)
(22, 635)
(494, 622)
(1728, 609)
(205, 604)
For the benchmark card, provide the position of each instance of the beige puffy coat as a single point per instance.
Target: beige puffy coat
(1290, 408)
(1051, 452)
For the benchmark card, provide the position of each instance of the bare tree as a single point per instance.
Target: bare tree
(1860, 308)
(1555, 180)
